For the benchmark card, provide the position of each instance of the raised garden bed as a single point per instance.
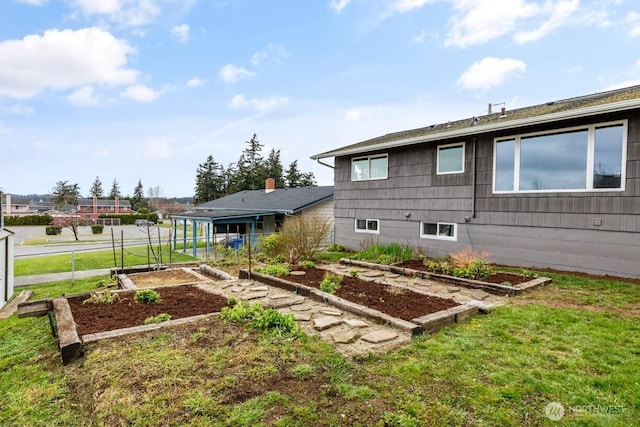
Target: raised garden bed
(393, 300)
(178, 301)
(498, 277)
(503, 288)
(414, 311)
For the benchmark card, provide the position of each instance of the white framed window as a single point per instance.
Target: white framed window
(367, 225)
(584, 158)
(439, 230)
(370, 167)
(450, 158)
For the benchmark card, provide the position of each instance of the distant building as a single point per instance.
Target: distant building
(93, 208)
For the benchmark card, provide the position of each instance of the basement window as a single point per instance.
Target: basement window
(439, 230)
(367, 226)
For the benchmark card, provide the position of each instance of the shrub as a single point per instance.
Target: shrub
(464, 257)
(272, 245)
(52, 230)
(354, 273)
(162, 317)
(16, 220)
(330, 283)
(97, 228)
(106, 297)
(147, 296)
(336, 248)
(303, 236)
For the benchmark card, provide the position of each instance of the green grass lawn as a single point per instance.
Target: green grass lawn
(91, 260)
(575, 342)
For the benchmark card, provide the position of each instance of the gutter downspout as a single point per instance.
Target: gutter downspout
(325, 164)
(473, 179)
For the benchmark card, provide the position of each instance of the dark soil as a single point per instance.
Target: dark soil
(392, 300)
(178, 301)
(497, 278)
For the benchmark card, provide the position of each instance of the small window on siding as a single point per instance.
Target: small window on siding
(367, 226)
(451, 158)
(439, 230)
(367, 168)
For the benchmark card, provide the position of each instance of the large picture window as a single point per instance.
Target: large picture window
(451, 158)
(372, 167)
(577, 159)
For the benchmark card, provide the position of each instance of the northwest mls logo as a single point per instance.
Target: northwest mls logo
(554, 411)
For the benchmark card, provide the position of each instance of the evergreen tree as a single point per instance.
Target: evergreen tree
(115, 190)
(96, 189)
(251, 169)
(295, 178)
(210, 181)
(65, 194)
(274, 169)
(138, 200)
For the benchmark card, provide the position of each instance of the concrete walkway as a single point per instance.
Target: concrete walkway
(56, 277)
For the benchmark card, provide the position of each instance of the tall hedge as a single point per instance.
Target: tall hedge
(129, 219)
(15, 220)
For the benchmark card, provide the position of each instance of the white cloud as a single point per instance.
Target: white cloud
(63, 59)
(102, 153)
(259, 104)
(33, 2)
(140, 93)
(559, 13)
(181, 32)
(273, 52)
(84, 97)
(490, 72)
(231, 73)
(129, 13)
(195, 82)
(338, 5)
(157, 149)
(633, 19)
(359, 114)
(408, 5)
(478, 21)
(420, 37)
(18, 110)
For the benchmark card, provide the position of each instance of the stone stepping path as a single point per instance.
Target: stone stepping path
(352, 335)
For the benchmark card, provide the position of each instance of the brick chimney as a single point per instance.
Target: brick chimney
(269, 185)
(117, 203)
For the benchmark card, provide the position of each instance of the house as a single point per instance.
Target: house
(555, 185)
(6, 265)
(251, 212)
(15, 207)
(92, 208)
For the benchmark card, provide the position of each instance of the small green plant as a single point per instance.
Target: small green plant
(231, 301)
(530, 274)
(302, 371)
(336, 248)
(385, 254)
(330, 283)
(399, 420)
(507, 283)
(354, 273)
(147, 296)
(274, 270)
(162, 317)
(106, 297)
(308, 264)
(433, 266)
(257, 317)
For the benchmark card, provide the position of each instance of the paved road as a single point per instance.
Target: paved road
(132, 235)
(56, 277)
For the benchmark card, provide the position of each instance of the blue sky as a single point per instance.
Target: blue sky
(147, 89)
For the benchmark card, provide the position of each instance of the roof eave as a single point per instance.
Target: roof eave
(546, 118)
